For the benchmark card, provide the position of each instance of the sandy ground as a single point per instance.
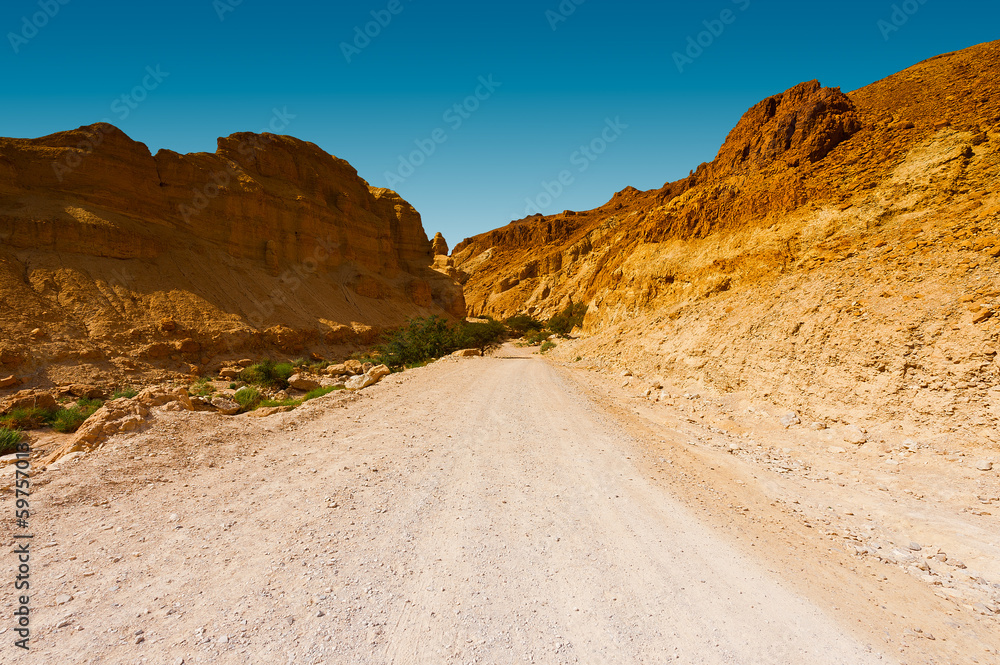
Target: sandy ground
(492, 510)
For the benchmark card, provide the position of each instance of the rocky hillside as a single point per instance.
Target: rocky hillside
(114, 261)
(839, 255)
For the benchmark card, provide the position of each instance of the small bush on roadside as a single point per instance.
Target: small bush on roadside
(420, 340)
(69, 420)
(425, 339)
(536, 337)
(482, 335)
(320, 392)
(571, 317)
(248, 398)
(202, 387)
(29, 418)
(522, 324)
(547, 345)
(268, 373)
(9, 438)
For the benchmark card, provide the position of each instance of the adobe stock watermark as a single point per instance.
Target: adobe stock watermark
(30, 25)
(562, 13)
(218, 180)
(714, 28)
(455, 116)
(223, 7)
(122, 106)
(582, 158)
(363, 35)
(900, 16)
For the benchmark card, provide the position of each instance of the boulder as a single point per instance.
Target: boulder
(264, 412)
(29, 399)
(300, 382)
(366, 367)
(359, 382)
(354, 367)
(88, 391)
(369, 378)
(229, 373)
(225, 406)
(467, 353)
(160, 396)
(336, 370)
(115, 417)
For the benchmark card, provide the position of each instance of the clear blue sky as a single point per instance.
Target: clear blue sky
(558, 87)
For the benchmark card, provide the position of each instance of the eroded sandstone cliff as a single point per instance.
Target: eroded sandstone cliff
(839, 255)
(116, 259)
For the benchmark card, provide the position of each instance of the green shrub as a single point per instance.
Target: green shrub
(127, 393)
(29, 418)
(232, 386)
(9, 438)
(420, 340)
(547, 345)
(268, 373)
(202, 387)
(248, 398)
(571, 317)
(69, 420)
(536, 337)
(425, 339)
(522, 323)
(482, 335)
(320, 392)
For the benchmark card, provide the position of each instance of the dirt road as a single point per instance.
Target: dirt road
(475, 511)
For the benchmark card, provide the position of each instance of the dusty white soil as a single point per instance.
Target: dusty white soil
(488, 510)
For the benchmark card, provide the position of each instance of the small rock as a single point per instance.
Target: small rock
(224, 639)
(984, 465)
(836, 449)
(226, 406)
(856, 435)
(817, 425)
(229, 373)
(300, 382)
(915, 546)
(140, 639)
(789, 419)
(63, 598)
(627, 372)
